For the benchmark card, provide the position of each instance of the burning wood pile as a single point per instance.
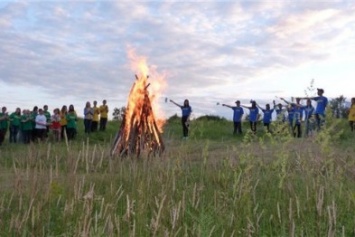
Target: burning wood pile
(139, 133)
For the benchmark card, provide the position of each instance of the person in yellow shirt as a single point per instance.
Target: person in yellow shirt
(103, 115)
(63, 121)
(351, 116)
(95, 119)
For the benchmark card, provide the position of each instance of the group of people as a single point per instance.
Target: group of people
(36, 125)
(294, 113)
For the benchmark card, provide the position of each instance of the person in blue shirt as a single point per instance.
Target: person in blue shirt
(253, 115)
(280, 112)
(237, 117)
(267, 116)
(298, 116)
(185, 118)
(308, 114)
(322, 103)
(295, 115)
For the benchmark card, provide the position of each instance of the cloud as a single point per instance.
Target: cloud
(206, 49)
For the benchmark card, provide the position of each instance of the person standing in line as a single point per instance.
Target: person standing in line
(185, 118)
(48, 116)
(237, 117)
(55, 124)
(26, 121)
(280, 112)
(295, 113)
(41, 125)
(34, 114)
(298, 116)
(4, 117)
(103, 115)
(88, 115)
(63, 121)
(71, 122)
(322, 103)
(351, 116)
(308, 114)
(95, 118)
(15, 121)
(20, 134)
(253, 115)
(267, 116)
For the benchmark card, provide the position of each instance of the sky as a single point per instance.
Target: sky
(211, 52)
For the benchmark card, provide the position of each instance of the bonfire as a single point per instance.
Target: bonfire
(139, 133)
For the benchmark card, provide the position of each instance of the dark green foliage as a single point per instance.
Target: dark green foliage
(210, 118)
(337, 106)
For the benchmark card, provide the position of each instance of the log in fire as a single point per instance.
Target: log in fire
(138, 134)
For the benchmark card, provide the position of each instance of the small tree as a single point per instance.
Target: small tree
(310, 91)
(118, 113)
(337, 107)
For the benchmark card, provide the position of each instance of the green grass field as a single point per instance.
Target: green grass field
(213, 184)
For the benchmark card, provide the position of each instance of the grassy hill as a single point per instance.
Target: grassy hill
(213, 184)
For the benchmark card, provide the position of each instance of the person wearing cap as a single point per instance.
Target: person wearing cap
(237, 117)
(322, 103)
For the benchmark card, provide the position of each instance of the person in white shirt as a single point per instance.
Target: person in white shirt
(41, 125)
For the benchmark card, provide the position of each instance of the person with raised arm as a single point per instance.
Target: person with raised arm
(322, 103)
(267, 116)
(280, 112)
(253, 115)
(295, 115)
(237, 117)
(186, 112)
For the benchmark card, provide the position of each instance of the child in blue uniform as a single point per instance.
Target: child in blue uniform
(186, 112)
(237, 117)
(267, 116)
(253, 115)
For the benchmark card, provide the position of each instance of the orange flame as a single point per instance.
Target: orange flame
(156, 86)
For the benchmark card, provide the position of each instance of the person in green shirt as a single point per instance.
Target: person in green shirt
(26, 121)
(71, 122)
(48, 116)
(4, 117)
(15, 121)
(34, 113)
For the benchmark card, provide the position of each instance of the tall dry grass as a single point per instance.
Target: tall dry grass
(226, 186)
